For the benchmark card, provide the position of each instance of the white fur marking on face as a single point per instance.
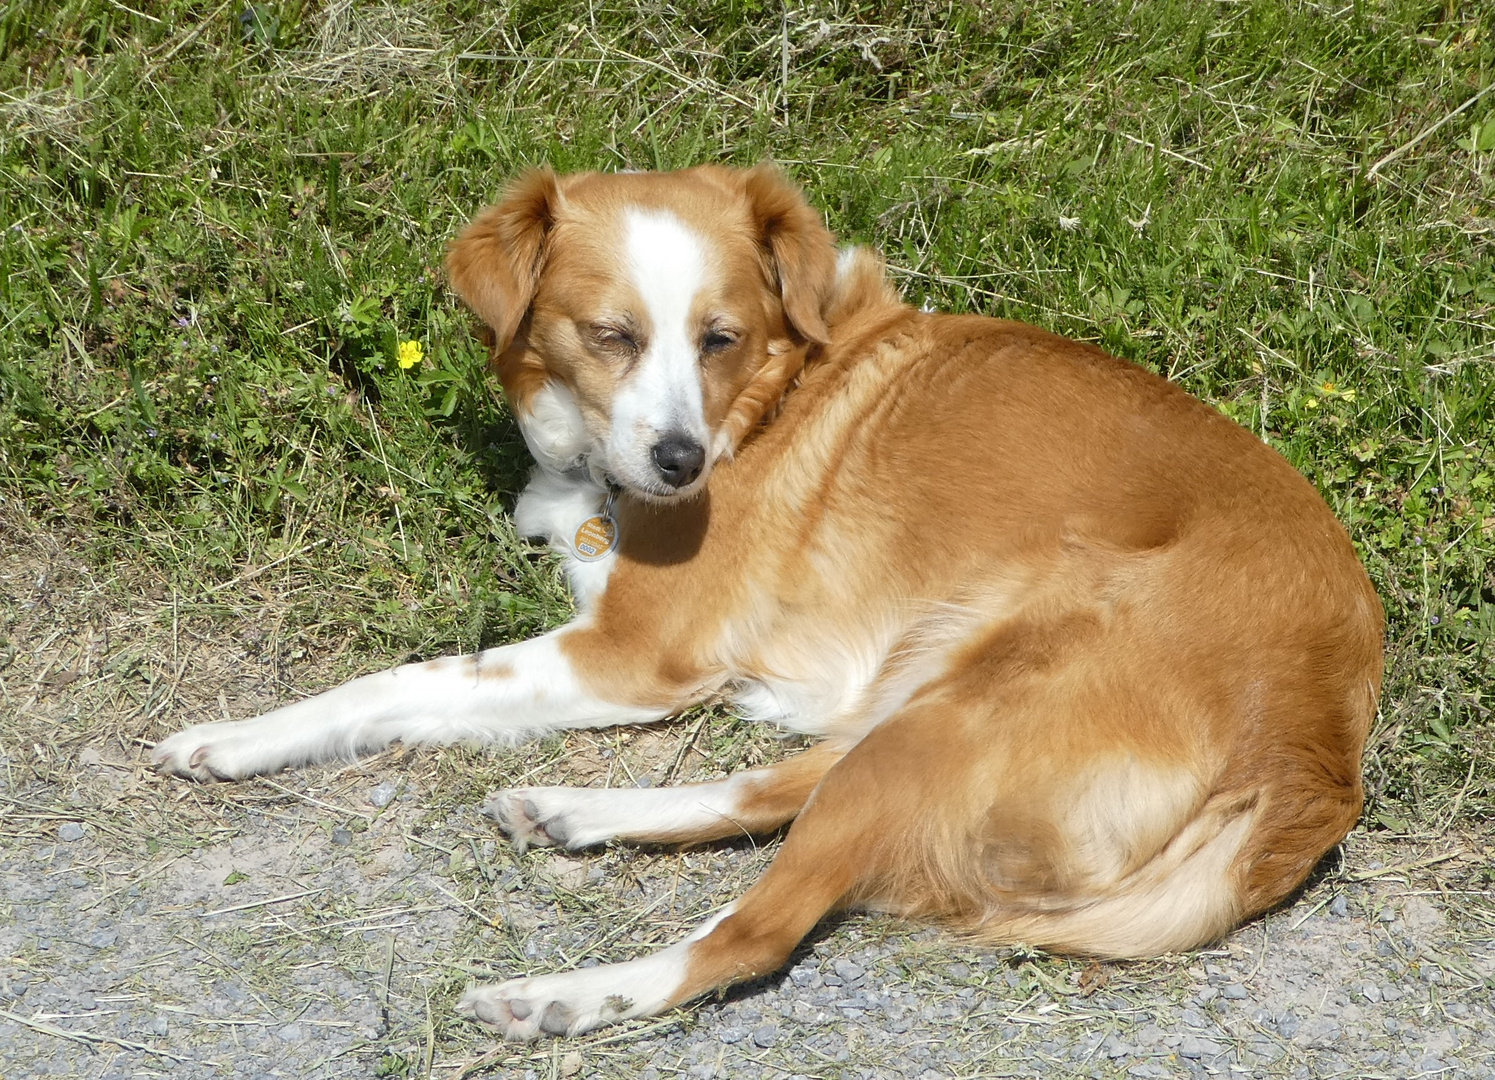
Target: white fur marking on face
(661, 397)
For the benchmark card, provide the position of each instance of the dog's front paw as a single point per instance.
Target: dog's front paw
(229, 750)
(198, 753)
(531, 816)
(564, 1004)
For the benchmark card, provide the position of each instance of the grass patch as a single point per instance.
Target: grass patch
(218, 231)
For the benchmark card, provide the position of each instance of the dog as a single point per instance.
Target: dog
(1090, 666)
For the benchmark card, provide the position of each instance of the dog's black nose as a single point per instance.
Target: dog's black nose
(679, 459)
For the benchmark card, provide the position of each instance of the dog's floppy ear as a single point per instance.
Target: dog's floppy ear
(494, 264)
(802, 249)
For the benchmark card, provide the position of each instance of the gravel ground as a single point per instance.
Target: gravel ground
(297, 947)
(322, 923)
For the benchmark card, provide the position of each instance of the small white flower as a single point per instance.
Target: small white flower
(1069, 224)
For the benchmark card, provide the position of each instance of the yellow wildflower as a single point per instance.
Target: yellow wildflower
(411, 353)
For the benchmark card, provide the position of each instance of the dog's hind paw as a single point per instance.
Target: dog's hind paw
(520, 1011)
(573, 1002)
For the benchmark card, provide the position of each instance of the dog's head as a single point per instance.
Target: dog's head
(643, 322)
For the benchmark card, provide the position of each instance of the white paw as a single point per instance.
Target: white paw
(537, 816)
(524, 1009)
(573, 1002)
(230, 750)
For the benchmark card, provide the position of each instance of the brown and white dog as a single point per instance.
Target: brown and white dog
(1092, 667)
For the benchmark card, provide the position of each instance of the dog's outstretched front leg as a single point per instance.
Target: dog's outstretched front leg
(504, 695)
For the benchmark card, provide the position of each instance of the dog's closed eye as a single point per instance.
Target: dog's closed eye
(717, 341)
(615, 338)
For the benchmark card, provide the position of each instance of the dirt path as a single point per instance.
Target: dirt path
(322, 923)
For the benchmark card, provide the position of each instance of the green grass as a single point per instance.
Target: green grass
(217, 230)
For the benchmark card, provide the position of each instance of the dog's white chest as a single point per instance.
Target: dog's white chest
(571, 514)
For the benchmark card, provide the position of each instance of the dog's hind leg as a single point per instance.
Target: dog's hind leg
(748, 803)
(836, 851)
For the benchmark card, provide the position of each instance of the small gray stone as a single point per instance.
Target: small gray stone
(291, 1033)
(87, 1001)
(383, 794)
(849, 972)
(342, 837)
(1148, 1069)
(1195, 1047)
(731, 1035)
(1233, 991)
(158, 1025)
(69, 832)
(103, 939)
(1339, 907)
(1148, 1035)
(766, 1036)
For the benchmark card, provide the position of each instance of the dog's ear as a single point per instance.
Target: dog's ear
(802, 249)
(494, 264)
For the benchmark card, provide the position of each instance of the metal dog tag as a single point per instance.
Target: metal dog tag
(596, 537)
